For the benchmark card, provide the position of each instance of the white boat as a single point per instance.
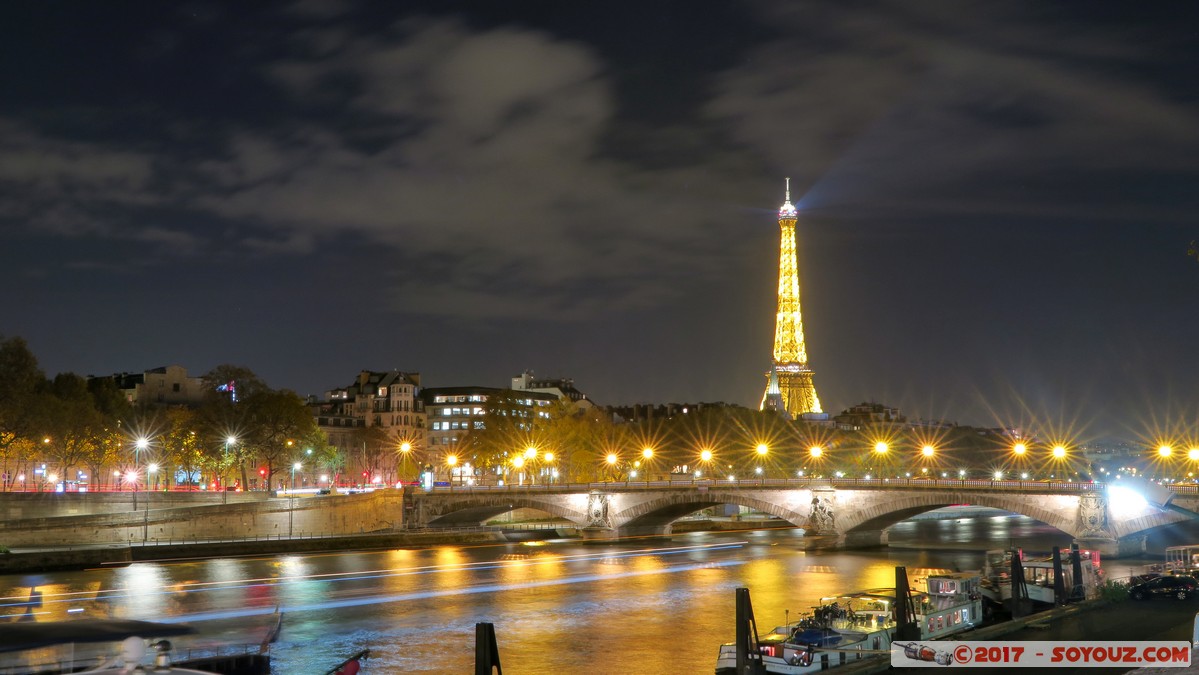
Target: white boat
(857, 625)
(1039, 577)
(108, 647)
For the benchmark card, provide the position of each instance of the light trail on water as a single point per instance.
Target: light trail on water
(334, 577)
(489, 588)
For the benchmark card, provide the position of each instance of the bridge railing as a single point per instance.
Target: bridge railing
(846, 483)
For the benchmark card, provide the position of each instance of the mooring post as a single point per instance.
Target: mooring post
(905, 610)
(1078, 592)
(749, 657)
(1059, 584)
(1019, 600)
(487, 651)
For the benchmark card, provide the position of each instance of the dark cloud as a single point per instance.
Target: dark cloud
(572, 194)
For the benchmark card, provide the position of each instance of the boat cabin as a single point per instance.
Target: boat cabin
(1182, 559)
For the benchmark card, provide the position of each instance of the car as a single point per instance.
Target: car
(1181, 587)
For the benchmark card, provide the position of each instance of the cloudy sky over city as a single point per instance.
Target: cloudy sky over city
(996, 199)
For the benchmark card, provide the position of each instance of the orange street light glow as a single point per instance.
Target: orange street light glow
(927, 451)
(706, 455)
(1059, 451)
(762, 449)
(815, 451)
(647, 453)
(881, 448)
(1165, 451)
(1193, 454)
(1019, 448)
(611, 459)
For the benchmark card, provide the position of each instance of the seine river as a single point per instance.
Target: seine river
(641, 606)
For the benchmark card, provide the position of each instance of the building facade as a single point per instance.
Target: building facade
(388, 400)
(166, 386)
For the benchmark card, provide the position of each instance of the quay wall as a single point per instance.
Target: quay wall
(170, 521)
(20, 505)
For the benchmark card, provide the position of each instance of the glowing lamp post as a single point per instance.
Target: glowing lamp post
(531, 459)
(611, 461)
(138, 448)
(928, 451)
(450, 462)
(881, 448)
(1019, 449)
(518, 463)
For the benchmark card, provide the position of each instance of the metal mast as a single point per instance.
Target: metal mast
(790, 367)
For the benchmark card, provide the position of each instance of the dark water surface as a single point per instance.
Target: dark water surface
(651, 606)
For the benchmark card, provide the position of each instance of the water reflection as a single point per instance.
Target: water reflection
(635, 606)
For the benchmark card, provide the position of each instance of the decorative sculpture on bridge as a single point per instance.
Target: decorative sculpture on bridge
(597, 511)
(1092, 517)
(822, 519)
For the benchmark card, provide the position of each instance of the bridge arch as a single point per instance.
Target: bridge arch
(478, 508)
(878, 512)
(660, 512)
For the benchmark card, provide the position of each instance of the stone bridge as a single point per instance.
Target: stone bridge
(839, 513)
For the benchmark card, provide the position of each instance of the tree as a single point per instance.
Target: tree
(507, 428)
(374, 448)
(182, 446)
(233, 383)
(276, 420)
(223, 414)
(20, 382)
(74, 426)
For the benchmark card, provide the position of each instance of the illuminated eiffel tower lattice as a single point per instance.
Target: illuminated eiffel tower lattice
(789, 386)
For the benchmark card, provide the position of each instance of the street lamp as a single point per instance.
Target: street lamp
(230, 440)
(451, 461)
(531, 457)
(1019, 449)
(928, 451)
(139, 447)
(518, 463)
(611, 460)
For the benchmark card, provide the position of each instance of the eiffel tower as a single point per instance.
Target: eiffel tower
(789, 386)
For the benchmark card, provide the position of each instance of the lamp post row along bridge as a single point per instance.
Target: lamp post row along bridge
(833, 513)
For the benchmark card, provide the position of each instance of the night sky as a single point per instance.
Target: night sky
(996, 199)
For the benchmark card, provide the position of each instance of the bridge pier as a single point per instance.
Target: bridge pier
(855, 539)
(1134, 545)
(606, 533)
